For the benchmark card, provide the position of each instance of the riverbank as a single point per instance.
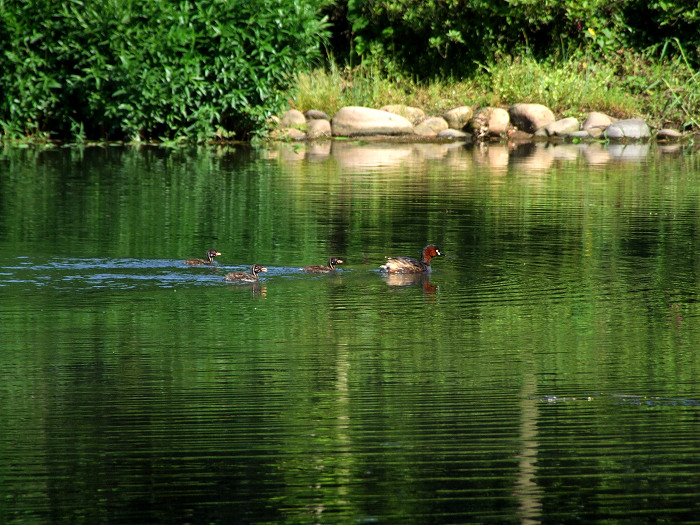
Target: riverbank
(663, 91)
(519, 122)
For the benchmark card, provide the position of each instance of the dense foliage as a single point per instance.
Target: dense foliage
(197, 69)
(426, 37)
(122, 69)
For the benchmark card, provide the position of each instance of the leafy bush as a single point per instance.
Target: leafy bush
(118, 69)
(452, 37)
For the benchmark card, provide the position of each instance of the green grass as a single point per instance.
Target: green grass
(656, 85)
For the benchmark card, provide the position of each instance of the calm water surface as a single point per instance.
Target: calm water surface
(547, 371)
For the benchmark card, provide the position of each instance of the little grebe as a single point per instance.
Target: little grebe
(317, 268)
(411, 265)
(209, 260)
(245, 277)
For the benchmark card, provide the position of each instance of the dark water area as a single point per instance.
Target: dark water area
(546, 371)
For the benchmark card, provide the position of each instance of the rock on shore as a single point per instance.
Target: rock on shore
(353, 121)
(521, 122)
(530, 117)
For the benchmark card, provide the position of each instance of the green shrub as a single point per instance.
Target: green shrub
(122, 69)
(451, 37)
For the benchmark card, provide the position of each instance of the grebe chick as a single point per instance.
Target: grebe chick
(409, 264)
(245, 277)
(209, 260)
(317, 268)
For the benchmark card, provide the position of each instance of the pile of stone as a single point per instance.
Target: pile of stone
(518, 122)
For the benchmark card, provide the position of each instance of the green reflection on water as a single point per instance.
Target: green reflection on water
(130, 378)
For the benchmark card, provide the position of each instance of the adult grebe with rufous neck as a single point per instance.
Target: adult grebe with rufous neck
(411, 265)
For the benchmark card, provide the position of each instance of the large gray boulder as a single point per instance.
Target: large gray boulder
(630, 129)
(352, 121)
(530, 117)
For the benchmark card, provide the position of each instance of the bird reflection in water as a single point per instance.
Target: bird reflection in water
(257, 289)
(409, 279)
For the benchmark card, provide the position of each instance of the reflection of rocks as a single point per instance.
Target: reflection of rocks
(628, 151)
(368, 156)
(371, 155)
(290, 153)
(492, 155)
(459, 156)
(537, 158)
(361, 156)
(318, 151)
(564, 152)
(430, 151)
(595, 153)
(670, 149)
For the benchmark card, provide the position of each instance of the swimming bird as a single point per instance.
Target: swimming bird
(245, 277)
(210, 259)
(317, 268)
(411, 265)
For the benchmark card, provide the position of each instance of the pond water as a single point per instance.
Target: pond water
(546, 371)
